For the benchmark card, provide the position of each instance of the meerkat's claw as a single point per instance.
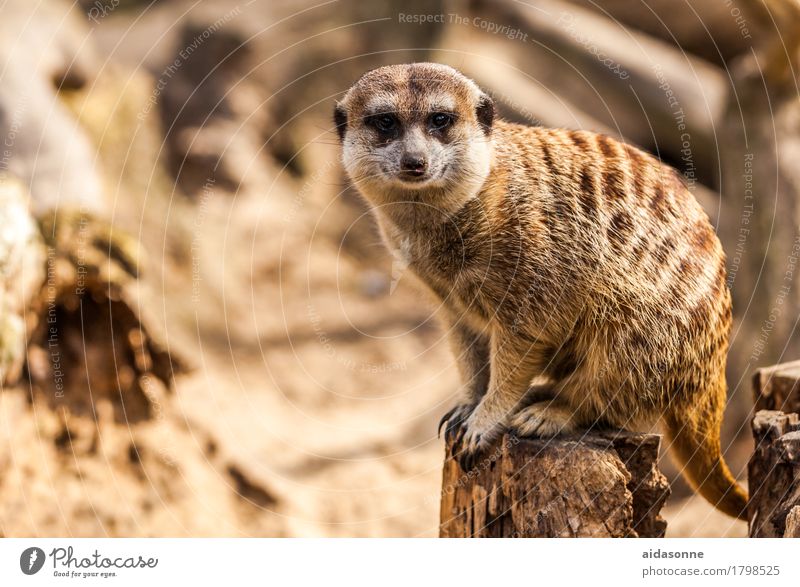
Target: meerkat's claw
(465, 455)
(474, 441)
(468, 460)
(453, 421)
(543, 420)
(471, 451)
(445, 421)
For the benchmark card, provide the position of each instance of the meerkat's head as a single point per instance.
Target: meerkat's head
(419, 132)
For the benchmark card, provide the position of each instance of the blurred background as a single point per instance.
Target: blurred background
(202, 333)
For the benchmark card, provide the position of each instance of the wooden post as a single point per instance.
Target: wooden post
(778, 388)
(599, 484)
(774, 468)
(774, 476)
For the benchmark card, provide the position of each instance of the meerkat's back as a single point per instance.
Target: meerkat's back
(641, 281)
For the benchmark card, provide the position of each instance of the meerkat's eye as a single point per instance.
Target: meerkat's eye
(383, 122)
(440, 120)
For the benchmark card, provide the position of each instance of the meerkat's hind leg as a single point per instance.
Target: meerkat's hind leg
(544, 419)
(539, 391)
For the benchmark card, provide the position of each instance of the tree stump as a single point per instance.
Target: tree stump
(778, 388)
(774, 468)
(774, 476)
(602, 484)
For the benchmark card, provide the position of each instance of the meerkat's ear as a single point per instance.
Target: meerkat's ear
(340, 120)
(485, 112)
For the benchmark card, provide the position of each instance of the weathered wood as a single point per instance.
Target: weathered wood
(774, 476)
(778, 388)
(47, 51)
(625, 80)
(760, 211)
(598, 484)
(22, 275)
(716, 31)
(792, 529)
(92, 333)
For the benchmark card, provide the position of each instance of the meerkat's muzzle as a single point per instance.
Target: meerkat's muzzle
(413, 168)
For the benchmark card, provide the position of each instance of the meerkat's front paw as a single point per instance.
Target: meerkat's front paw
(544, 420)
(476, 436)
(453, 421)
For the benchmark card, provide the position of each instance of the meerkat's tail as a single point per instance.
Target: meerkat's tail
(694, 439)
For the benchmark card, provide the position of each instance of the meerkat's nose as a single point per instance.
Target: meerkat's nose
(414, 163)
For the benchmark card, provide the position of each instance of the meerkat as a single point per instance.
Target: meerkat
(555, 255)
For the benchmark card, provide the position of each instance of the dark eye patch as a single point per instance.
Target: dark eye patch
(385, 123)
(439, 121)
